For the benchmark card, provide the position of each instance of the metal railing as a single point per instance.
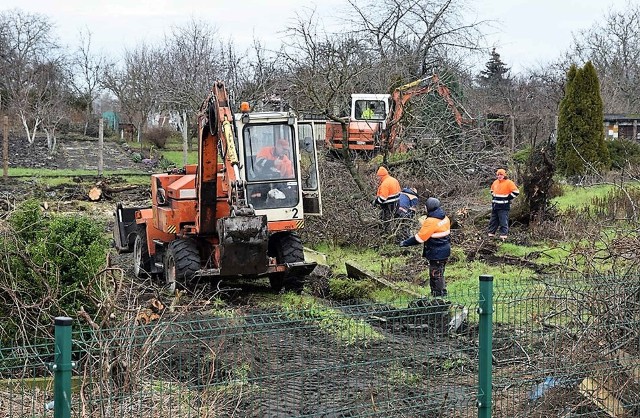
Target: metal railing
(540, 348)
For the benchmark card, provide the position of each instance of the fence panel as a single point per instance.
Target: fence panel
(561, 347)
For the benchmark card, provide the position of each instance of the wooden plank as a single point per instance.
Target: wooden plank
(631, 365)
(594, 391)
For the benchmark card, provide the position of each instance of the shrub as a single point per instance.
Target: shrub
(50, 262)
(158, 136)
(624, 153)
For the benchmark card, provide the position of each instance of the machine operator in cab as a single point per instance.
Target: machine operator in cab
(276, 158)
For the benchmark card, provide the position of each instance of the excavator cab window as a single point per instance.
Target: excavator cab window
(370, 110)
(270, 165)
(311, 200)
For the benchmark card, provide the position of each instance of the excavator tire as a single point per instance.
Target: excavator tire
(141, 258)
(181, 262)
(287, 248)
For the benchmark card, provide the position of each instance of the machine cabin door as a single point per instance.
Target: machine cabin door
(309, 175)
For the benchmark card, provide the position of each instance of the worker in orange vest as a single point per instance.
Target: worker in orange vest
(435, 235)
(277, 158)
(387, 196)
(503, 191)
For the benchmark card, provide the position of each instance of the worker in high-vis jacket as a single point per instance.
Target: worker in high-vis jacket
(387, 196)
(503, 191)
(406, 213)
(435, 235)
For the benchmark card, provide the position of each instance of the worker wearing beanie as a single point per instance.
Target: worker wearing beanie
(435, 234)
(503, 191)
(387, 196)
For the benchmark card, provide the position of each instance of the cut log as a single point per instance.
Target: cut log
(599, 395)
(95, 194)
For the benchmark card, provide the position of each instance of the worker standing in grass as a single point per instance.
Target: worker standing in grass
(387, 196)
(503, 191)
(435, 234)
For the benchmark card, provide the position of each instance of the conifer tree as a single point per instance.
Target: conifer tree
(495, 71)
(581, 147)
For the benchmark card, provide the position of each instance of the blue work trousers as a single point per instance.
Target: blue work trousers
(499, 219)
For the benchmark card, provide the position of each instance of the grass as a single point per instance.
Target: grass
(345, 329)
(45, 172)
(367, 258)
(578, 197)
(176, 157)
(50, 178)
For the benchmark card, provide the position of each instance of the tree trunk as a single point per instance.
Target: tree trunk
(185, 137)
(30, 137)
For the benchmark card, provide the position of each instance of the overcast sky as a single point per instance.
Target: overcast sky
(526, 32)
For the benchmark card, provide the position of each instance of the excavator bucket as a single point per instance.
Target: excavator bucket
(244, 244)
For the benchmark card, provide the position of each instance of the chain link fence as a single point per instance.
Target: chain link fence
(560, 348)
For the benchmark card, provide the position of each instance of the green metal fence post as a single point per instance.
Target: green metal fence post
(485, 310)
(62, 368)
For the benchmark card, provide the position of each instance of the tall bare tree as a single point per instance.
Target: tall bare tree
(412, 37)
(28, 43)
(323, 70)
(87, 70)
(136, 85)
(613, 46)
(191, 62)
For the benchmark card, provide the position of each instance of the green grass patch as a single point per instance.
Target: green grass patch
(364, 257)
(46, 172)
(399, 299)
(345, 329)
(52, 178)
(579, 197)
(176, 157)
(540, 254)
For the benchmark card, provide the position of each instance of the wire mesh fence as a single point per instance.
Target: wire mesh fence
(561, 347)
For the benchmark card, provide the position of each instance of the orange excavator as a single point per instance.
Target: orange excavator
(374, 123)
(235, 212)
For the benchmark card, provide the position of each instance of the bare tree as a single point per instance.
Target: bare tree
(190, 64)
(137, 84)
(27, 42)
(323, 70)
(411, 37)
(87, 71)
(53, 106)
(613, 46)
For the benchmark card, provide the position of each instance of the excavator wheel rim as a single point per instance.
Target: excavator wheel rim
(170, 272)
(141, 265)
(182, 262)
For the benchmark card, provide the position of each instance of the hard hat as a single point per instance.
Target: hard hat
(501, 171)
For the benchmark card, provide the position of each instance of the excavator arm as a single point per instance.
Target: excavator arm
(403, 94)
(216, 150)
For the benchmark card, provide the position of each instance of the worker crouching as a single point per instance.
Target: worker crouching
(435, 234)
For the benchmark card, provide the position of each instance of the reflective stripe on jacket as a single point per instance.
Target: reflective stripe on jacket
(389, 189)
(503, 191)
(408, 202)
(435, 233)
